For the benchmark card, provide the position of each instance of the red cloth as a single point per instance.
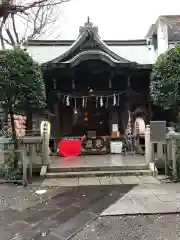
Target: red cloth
(69, 148)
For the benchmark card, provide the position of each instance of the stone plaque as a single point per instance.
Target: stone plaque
(158, 131)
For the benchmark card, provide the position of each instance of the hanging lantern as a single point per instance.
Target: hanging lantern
(75, 111)
(86, 116)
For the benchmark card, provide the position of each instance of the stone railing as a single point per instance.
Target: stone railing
(166, 152)
(33, 153)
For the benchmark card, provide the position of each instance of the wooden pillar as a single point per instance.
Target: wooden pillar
(56, 125)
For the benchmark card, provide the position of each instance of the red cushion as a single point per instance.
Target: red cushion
(68, 148)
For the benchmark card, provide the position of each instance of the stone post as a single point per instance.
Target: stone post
(45, 147)
(33, 156)
(148, 145)
(160, 150)
(174, 163)
(171, 151)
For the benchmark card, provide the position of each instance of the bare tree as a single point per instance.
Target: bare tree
(21, 6)
(27, 20)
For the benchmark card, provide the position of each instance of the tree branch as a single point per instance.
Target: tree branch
(10, 8)
(7, 41)
(35, 18)
(13, 43)
(14, 28)
(1, 34)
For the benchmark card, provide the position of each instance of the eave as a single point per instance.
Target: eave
(68, 43)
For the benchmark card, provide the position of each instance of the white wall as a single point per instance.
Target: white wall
(141, 54)
(43, 54)
(162, 35)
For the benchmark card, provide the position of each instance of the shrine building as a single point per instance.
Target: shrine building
(94, 85)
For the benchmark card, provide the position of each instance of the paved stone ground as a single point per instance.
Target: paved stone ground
(100, 181)
(154, 227)
(61, 216)
(68, 209)
(147, 199)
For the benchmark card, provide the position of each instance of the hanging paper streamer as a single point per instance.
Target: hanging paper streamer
(67, 101)
(75, 108)
(83, 102)
(101, 101)
(114, 99)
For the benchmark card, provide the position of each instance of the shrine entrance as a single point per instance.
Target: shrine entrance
(92, 119)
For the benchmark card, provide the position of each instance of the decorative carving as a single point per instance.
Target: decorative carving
(88, 26)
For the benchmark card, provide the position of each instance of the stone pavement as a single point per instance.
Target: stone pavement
(60, 217)
(147, 199)
(19, 198)
(57, 182)
(67, 210)
(152, 227)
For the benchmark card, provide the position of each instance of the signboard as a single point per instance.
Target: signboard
(115, 128)
(158, 131)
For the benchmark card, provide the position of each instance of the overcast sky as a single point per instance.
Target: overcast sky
(116, 19)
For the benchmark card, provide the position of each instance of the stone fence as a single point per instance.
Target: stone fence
(167, 152)
(33, 152)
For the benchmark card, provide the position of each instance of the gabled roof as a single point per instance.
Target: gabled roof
(89, 46)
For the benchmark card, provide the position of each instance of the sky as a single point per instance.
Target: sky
(115, 19)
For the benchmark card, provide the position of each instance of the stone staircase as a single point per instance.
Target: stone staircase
(91, 171)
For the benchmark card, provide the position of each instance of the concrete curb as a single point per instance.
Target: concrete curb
(140, 214)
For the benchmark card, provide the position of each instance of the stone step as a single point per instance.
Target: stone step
(57, 169)
(97, 173)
